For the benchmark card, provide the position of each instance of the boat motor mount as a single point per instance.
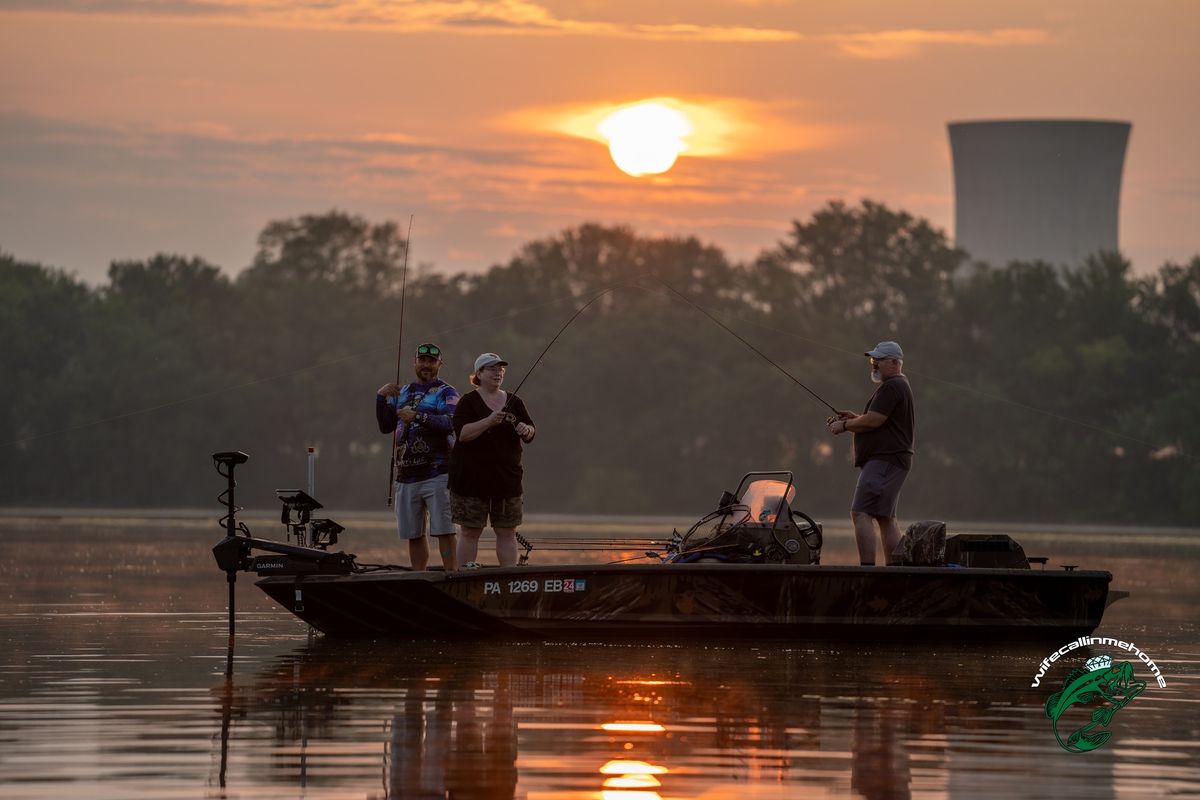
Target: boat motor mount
(235, 553)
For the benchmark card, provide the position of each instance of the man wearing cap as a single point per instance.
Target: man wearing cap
(422, 416)
(883, 450)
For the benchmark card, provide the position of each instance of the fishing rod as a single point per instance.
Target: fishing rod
(545, 350)
(758, 352)
(391, 491)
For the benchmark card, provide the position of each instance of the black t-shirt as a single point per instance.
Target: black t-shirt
(489, 465)
(893, 440)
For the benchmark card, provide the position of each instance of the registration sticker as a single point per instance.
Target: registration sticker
(552, 585)
(565, 585)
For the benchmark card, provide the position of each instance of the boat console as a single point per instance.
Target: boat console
(753, 525)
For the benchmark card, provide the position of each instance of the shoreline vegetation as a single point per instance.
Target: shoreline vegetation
(1062, 395)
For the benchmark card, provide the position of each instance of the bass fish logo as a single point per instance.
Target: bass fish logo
(1100, 681)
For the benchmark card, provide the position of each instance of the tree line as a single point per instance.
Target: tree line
(1042, 394)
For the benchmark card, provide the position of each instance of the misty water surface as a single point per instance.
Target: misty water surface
(116, 682)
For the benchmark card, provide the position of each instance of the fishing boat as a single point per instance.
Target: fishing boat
(749, 569)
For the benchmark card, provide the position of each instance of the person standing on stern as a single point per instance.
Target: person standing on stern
(491, 429)
(421, 414)
(883, 449)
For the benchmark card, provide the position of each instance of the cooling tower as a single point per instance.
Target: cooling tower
(1037, 189)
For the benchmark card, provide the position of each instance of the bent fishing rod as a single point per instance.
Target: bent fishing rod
(546, 349)
(757, 352)
(399, 356)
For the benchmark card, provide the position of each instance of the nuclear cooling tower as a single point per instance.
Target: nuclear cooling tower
(1037, 189)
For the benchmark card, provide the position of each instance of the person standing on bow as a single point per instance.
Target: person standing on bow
(491, 429)
(883, 450)
(421, 414)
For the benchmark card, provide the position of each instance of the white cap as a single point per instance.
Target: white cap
(487, 360)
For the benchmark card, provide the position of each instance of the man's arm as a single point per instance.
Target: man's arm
(385, 415)
(857, 423)
(441, 420)
(882, 405)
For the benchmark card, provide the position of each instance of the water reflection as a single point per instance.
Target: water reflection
(453, 742)
(634, 723)
(115, 682)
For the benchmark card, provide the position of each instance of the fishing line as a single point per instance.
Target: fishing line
(546, 349)
(978, 392)
(734, 334)
(399, 358)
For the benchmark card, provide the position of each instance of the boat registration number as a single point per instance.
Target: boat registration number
(552, 585)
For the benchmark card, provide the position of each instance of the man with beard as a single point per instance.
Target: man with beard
(883, 450)
(421, 414)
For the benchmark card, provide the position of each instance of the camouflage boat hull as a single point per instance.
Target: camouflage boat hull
(662, 601)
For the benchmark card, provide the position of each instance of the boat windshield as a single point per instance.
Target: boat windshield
(766, 498)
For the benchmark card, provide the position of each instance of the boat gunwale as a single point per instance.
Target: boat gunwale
(440, 576)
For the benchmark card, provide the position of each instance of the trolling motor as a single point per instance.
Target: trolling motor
(234, 553)
(225, 463)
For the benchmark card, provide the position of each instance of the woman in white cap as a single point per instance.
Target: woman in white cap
(491, 429)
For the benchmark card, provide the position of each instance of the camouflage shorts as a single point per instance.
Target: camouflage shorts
(474, 512)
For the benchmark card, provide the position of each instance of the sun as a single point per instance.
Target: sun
(646, 138)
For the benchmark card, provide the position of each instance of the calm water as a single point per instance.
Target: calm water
(116, 681)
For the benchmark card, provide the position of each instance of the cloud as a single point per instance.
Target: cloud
(523, 17)
(90, 193)
(881, 45)
(713, 33)
(468, 17)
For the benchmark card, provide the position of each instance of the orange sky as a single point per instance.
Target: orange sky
(128, 128)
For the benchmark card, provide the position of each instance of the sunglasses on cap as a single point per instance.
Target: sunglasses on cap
(429, 350)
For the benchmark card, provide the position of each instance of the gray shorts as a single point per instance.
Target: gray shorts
(414, 501)
(878, 489)
(474, 512)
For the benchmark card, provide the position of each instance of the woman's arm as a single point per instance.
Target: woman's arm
(473, 430)
(524, 425)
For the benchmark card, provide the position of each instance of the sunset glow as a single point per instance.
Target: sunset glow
(645, 139)
(735, 118)
(632, 727)
(626, 767)
(632, 782)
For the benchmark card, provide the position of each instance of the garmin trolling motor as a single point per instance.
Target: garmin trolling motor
(225, 463)
(308, 556)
